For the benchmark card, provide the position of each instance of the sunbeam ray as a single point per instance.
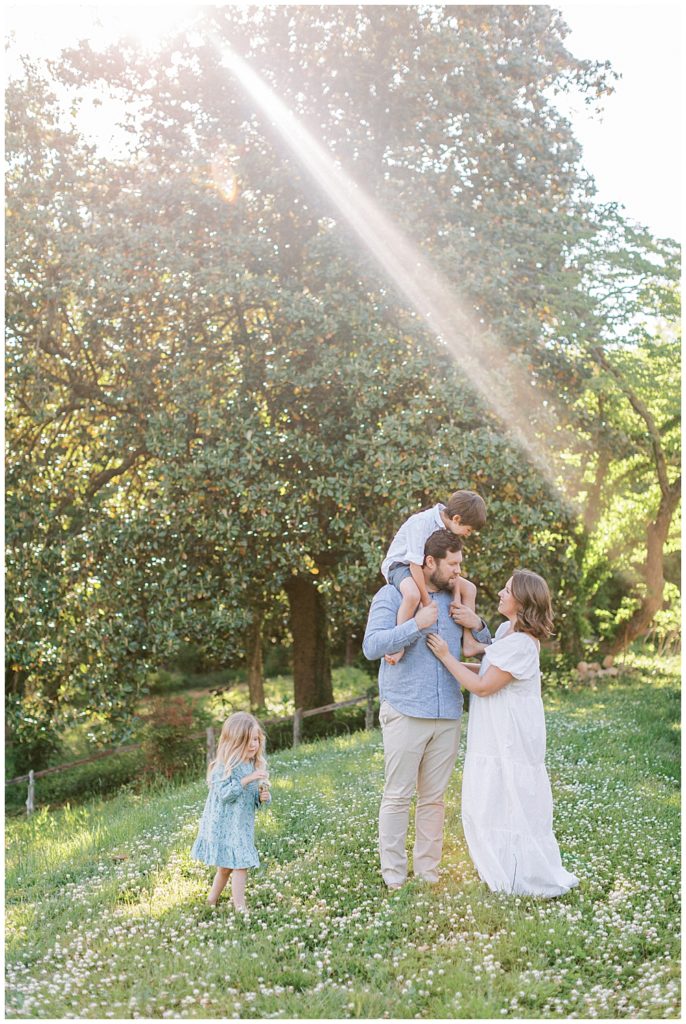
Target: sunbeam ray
(491, 370)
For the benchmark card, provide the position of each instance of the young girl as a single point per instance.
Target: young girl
(225, 836)
(402, 566)
(507, 804)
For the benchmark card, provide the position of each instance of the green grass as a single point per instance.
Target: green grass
(92, 935)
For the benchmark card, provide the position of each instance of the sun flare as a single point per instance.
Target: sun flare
(59, 27)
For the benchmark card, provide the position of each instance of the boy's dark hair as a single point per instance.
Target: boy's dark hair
(440, 543)
(469, 506)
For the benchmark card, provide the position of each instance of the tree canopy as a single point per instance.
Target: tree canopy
(219, 407)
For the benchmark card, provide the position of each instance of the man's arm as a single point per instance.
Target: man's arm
(382, 636)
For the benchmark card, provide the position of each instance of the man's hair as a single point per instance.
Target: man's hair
(440, 543)
(469, 506)
(534, 607)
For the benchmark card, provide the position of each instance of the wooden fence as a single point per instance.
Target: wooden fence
(210, 738)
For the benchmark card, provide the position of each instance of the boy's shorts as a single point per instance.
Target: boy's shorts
(398, 572)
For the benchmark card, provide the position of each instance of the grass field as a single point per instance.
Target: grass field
(106, 914)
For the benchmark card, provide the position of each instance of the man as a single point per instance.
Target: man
(421, 709)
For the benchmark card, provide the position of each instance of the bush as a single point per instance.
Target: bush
(81, 783)
(168, 741)
(557, 669)
(336, 723)
(35, 742)
(167, 681)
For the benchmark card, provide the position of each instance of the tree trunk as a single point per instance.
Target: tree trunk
(311, 662)
(657, 533)
(254, 662)
(352, 648)
(594, 505)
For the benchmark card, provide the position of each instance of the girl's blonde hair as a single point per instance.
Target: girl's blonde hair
(233, 743)
(535, 611)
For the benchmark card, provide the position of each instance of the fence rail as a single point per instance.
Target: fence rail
(209, 734)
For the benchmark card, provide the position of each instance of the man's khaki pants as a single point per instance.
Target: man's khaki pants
(419, 753)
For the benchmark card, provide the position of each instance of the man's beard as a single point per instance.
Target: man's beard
(441, 584)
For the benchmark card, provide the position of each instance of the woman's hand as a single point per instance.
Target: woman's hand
(438, 645)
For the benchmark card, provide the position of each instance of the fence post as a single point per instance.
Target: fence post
(211, 744)
(297, 726)
(30, 806)
(369, 713)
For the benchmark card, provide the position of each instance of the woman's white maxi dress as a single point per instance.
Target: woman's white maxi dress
(507, 804)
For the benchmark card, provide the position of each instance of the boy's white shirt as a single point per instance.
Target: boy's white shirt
(408, 544)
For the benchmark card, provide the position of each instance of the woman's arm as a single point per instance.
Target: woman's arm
(490, 682)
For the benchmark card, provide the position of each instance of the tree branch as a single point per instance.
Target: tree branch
(642, 410)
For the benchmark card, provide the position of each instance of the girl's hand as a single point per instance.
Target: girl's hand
(255, 776)
(265, 796)
(438, 645)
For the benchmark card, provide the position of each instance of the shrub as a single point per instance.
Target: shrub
(35, 741)
(345, 720)
(168, 741)
(80, 783)
(557, 669)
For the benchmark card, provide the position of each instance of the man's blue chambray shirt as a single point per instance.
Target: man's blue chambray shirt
(419, 685)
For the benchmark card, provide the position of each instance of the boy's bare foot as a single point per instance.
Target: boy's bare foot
(393, 659)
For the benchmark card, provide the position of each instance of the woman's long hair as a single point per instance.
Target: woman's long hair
(233, 743)
(534, 607)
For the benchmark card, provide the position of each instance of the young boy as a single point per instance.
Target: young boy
(402, 566)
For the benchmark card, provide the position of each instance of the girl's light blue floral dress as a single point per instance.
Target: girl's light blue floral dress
(227, 827)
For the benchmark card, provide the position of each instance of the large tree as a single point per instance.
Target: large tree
(627, 443)
(216, 397)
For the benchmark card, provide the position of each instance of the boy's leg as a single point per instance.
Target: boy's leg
(238, 881)
(220, 880)
(465, 594)
(408, 606)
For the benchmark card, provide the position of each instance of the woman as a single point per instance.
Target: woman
(507, 806)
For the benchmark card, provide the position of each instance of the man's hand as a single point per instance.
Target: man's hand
(465, 617)
(427, 615)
